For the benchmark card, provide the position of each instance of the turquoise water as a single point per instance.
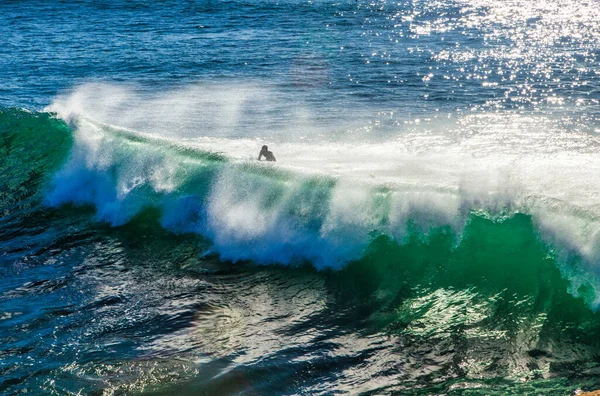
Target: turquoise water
(430, 227)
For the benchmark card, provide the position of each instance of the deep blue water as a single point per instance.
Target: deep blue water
(430, 227)
(333, 55)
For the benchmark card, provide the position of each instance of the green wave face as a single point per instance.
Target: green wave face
(32, 147)
(494, 302)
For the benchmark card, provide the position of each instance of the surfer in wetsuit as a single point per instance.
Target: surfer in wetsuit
(267, 154)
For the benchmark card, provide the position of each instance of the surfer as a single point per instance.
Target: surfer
(267, 154)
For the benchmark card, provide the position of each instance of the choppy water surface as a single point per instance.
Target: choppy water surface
(430, 227)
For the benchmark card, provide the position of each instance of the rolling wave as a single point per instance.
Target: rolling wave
(269, 213)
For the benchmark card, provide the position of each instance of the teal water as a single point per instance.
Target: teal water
(430, 227)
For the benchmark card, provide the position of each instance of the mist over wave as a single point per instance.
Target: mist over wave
(185, 152)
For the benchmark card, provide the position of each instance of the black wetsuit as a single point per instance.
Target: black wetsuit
(268, 155)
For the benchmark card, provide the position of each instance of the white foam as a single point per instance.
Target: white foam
(432, 174)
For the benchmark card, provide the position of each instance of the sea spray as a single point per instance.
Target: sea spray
(295, 212)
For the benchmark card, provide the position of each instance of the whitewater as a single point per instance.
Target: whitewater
(326, 199)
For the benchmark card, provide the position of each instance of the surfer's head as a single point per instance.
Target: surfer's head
(264, 148)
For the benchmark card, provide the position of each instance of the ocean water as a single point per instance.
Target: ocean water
(431, 225)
